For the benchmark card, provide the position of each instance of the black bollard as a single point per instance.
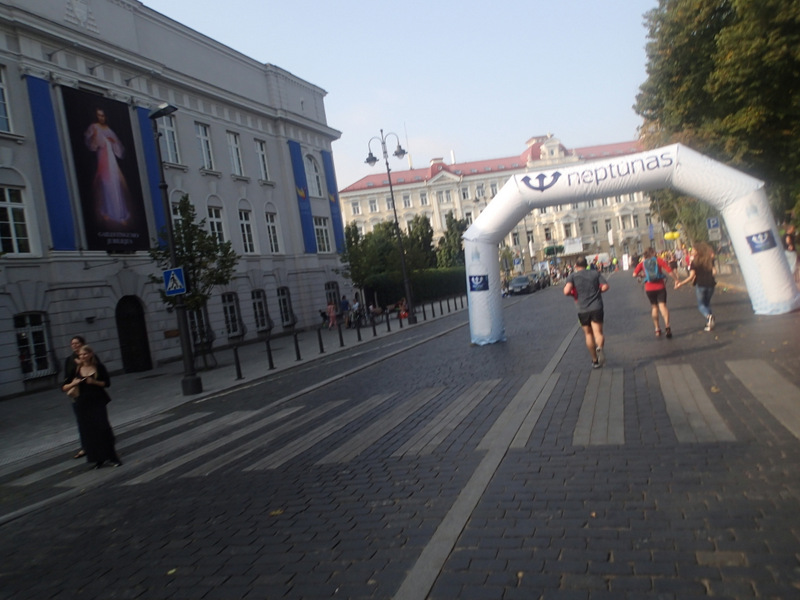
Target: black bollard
(448, 305)
(297, 347)
(441, 308)
(374, 331)
(433, 310)
(341, 339)
(319, 338)
(237, 363)
(424, 316)
(462, 300)
(400, 318)
(358, 329)
(269, 356)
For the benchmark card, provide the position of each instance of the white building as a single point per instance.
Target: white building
(612, 226)
(79, 196)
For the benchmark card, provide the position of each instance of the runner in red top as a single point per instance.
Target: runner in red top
(655, 270)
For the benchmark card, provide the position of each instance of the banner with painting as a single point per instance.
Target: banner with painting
(106, 170)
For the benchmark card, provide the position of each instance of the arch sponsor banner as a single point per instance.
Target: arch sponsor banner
(740, 199)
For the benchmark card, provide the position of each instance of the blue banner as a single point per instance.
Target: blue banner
(303, 203)
(151, 166)
(333, 198)
(478, 283)
(51, 165)
(760, 242)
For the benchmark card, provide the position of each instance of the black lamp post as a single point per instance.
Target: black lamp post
(191, 382)
(371, 160)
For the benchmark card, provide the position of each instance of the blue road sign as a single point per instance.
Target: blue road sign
(712, 223)
(174, 282)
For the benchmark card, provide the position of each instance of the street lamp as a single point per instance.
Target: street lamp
(191, 382)
(371, 160)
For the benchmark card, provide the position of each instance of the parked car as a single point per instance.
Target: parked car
(521, 284)
(544, 279)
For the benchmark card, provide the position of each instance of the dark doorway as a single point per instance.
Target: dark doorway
(132, 332)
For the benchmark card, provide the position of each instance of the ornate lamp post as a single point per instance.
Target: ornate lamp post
(191, 382)
(371, 160)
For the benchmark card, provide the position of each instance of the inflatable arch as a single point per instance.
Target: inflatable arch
(739, 198)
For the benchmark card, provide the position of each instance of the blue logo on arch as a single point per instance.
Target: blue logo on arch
(478, 283)
(759, 242)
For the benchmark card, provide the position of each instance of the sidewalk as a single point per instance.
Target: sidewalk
(43, 421)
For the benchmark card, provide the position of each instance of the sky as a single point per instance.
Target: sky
(473, 79)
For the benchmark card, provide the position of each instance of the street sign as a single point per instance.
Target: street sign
(174, 282)
(714, 235)
(712, 223)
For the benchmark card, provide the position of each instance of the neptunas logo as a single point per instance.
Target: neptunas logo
(761, 241)
(478, 283)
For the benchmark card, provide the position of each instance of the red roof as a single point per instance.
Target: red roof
(492, 165)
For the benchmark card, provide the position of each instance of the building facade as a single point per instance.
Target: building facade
(608, 227)
(80, 202)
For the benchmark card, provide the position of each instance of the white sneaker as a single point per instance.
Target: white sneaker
(710, 322)
(601, 357)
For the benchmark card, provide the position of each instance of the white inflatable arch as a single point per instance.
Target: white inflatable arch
(739, 198)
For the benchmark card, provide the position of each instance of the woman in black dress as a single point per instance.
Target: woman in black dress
(70, 368)
(91, 379)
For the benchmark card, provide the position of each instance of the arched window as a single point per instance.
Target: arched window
(313, 177)
(285, 304)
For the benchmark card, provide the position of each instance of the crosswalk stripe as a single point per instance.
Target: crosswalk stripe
(778, 395)
(303, 443)
(538, 391)
(429, 437)
(211, 446)
(694, 417)
(378, 429)
(158, 450)
(601, 419)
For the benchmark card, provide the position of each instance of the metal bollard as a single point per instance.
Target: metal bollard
(400, 319)
(374, 331)
(388, 321)
(269, 356)
(433, 310)
(341, 339)
(296, 346)
(319, 338)
(462, 300)
(237, 363)
(424, 316)
(358, 329)
(441, 308)
(448, 305)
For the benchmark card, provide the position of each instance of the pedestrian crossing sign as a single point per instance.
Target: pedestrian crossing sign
(174, 282)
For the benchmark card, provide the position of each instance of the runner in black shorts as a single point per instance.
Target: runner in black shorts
(586, 287)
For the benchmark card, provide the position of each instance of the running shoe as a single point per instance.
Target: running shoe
(601, 356)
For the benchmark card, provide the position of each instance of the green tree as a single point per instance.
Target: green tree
(450, 251)
(206, 262)
(419, 248)
(724, 78)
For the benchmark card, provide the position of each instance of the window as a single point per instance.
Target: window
(215, 223)
(285, 305)
(5, 117)
(515, 238)
(542, 210)
(235, 151)
(355, 208)
(447, 197)
(625, 221)
(33, 348)
(204, 138)
(373, 205)
(608, 224)
(406, 201)
(260, 310)
(199, 327)
(468, 217)
(423, 199)
(465, 193)
(480, 192)
(247, 232)
(389, 203)
(272, 232)
(493, 189)
(13, 226)
(590, 204)
(567, 230)
(595, 228)
(169, 139)
(548, 235)
(332, 293)
(313, 177)
(321, 232)
(636, 221)
(176, 215)
(529, 235)
(263, 165)
(648, 220)
(440, 197)
(230, 309)
(605, 201)
(574, 206)
(617, 199)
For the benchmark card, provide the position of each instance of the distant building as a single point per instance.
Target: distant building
(80, 201)
(465, 189)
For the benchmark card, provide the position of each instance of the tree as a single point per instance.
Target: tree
(206, 262)
(724, 78)
(419, 248)
(450, 251)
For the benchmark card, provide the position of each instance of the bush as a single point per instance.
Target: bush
(426, 285)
